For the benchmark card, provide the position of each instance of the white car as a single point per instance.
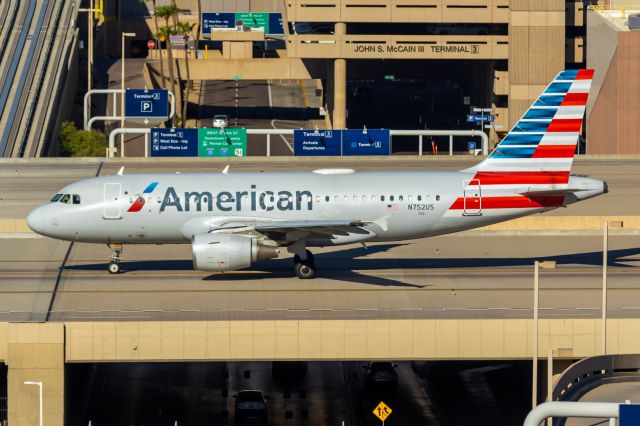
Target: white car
(221, 121)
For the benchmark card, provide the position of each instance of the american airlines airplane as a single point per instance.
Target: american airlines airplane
(234, 219)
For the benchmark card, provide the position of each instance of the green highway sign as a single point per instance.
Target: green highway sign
(389, 77)
(229, 142)
(254, 20)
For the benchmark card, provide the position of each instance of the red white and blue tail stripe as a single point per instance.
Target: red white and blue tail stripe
(529, 169)
(539, 149)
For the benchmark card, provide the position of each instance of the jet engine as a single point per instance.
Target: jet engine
(227, 252)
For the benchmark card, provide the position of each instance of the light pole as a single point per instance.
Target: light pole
(122, 88)
(605, 261)
(40, 386)
(534, 382)
(89, 12)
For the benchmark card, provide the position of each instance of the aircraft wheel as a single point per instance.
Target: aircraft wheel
(305, 270)
(114, 268)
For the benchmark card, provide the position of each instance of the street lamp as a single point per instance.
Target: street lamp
(549, 264)
(605, 261)
(40, 386)
(122, 89)
(89, 11)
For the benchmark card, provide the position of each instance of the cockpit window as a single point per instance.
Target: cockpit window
(56, 198)
(76, 199)
(66, 198)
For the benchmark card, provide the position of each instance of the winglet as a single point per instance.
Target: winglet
(226, 170)
(121, 171)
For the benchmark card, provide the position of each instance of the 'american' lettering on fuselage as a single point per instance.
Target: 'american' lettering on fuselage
(226, 201)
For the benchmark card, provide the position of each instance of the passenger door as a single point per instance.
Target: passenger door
(112, 201)
(472, 197)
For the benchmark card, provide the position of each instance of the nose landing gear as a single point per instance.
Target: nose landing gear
(114, 266)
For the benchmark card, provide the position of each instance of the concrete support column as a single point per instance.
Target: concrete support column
(536, 50)
(339, 94)
(35, 352)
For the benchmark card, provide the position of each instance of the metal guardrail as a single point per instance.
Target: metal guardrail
(269, 132)
(581, 376)
(602, 410)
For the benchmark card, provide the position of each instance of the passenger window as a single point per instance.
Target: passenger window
(419, 197)
(346, 198)
(382, 198)
(336, 198)
(364, 198)
(327, 198)
(56, 198)
(65, 198)
(317, 198)
(410, 197)
(373, 198)
(428, 198)
(437, 198)
(355, 198)
(400, 198)
(390, 197)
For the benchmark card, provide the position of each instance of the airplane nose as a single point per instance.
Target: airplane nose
(35, 220)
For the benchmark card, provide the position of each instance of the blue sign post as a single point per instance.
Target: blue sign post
(478, 118)
(366, 142)
(146, 104)
(316, 142)
(629, 414)
(174, 142)
(217, 20)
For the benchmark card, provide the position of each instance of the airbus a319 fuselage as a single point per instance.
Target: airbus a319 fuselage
(234, 219)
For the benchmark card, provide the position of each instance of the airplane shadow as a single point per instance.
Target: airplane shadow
(341, 265)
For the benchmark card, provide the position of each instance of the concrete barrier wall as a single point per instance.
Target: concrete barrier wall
(343, 339)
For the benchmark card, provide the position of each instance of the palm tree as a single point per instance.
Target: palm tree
(185, 29)
(167, 12)
(157, 36)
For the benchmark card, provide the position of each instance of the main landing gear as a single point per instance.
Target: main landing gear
(305, 269)
(114, 265)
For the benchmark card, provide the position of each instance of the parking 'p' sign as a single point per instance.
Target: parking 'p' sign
(146, 104)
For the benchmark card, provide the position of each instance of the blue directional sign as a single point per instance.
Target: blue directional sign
(174, 142)
(275, 24)
(471, 145)
(316, 142)
(146, 103)
(629, 414)
(217, 20)
(478, 118)
(366, 142)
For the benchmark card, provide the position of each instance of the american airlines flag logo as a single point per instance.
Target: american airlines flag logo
(392, 207)
(139, 201)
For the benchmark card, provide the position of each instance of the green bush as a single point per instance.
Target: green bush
(81, 143)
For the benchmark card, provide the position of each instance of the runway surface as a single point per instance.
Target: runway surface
(456, 276)
(443, 277)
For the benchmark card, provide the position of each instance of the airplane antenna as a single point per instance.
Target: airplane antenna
(226, 170)
(121, 171)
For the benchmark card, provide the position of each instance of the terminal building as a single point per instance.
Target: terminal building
(409, 64)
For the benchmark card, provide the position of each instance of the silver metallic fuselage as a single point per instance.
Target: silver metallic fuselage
(424, 210)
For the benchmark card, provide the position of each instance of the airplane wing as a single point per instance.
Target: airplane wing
(286, 232)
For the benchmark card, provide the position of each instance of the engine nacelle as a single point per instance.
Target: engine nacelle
(227, 252)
